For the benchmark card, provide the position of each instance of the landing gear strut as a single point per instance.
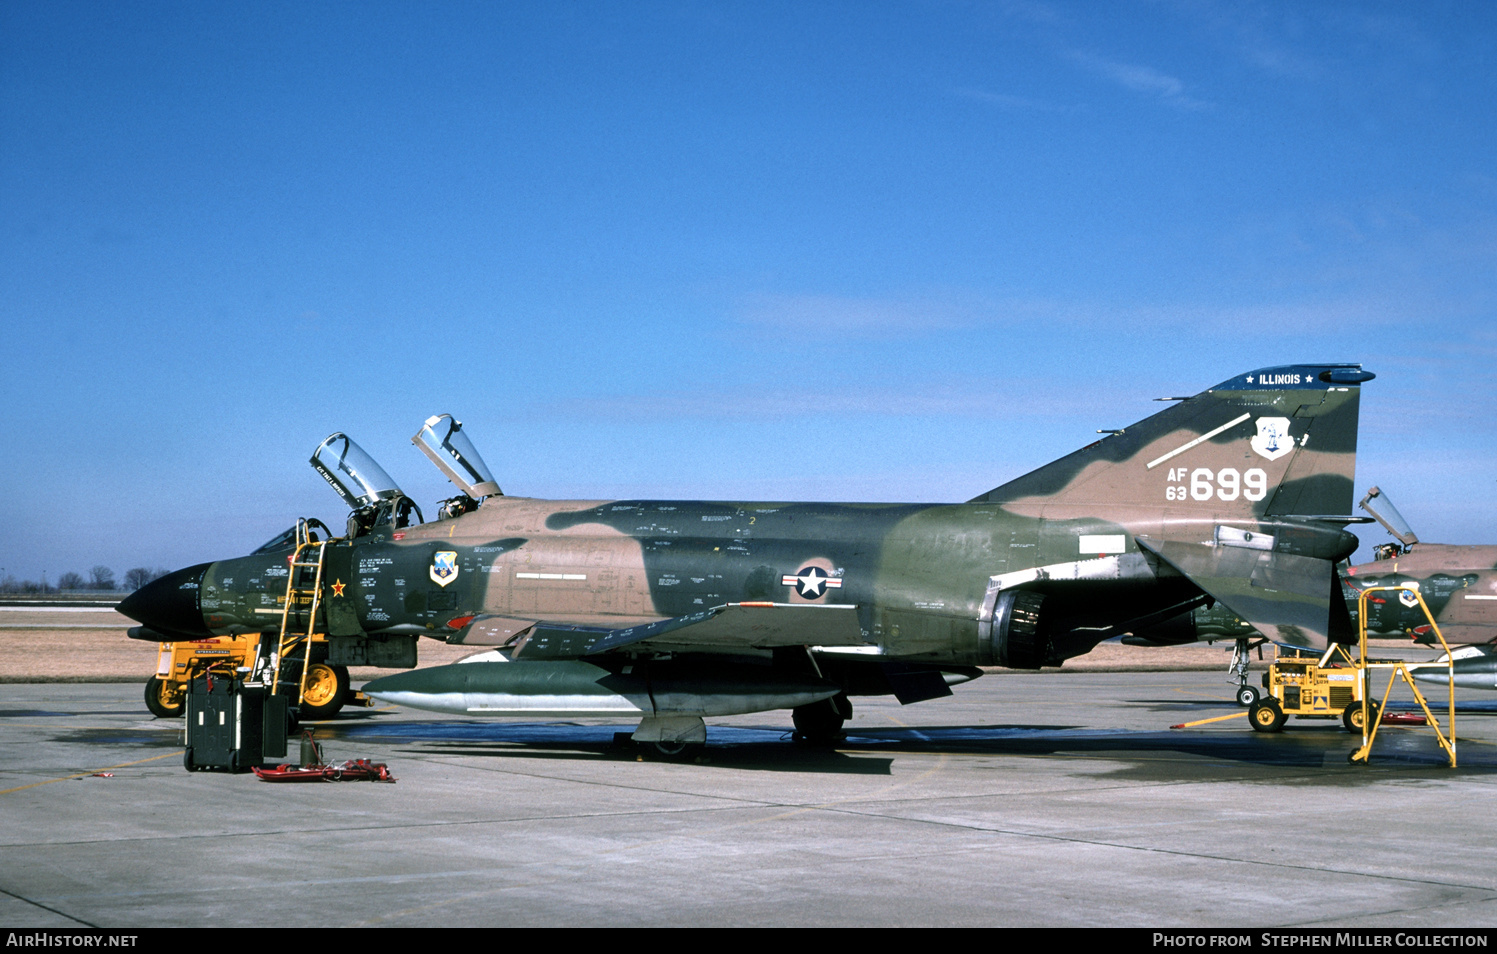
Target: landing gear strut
(1246, 694)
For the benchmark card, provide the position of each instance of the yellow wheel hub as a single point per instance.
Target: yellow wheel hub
(322, 685)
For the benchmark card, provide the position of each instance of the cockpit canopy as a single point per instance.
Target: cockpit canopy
(1386, 514)
(369, 492)
(353, 473)
(442, 439)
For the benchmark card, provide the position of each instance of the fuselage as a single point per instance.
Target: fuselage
(922, 575)
(1458, 583)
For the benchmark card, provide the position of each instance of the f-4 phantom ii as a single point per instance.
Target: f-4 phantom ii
(673, 611)
(1457, 583)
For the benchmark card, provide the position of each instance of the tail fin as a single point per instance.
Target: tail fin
(1242, 489)
(1272, 442)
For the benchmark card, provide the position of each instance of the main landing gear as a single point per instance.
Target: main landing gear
(820, 723)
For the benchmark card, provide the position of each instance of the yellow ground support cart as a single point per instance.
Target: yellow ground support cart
(1324, 686)
(323, 693)
(177, 664)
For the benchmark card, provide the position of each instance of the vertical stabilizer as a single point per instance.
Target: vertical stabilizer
(1272, 442)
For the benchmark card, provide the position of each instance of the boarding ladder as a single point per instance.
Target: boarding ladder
(303, 589)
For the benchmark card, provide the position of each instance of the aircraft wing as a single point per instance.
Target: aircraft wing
(734, 627)
(1291, 599)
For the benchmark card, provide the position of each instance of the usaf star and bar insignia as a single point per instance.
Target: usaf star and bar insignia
(811, 582)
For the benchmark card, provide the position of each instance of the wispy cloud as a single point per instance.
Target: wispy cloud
(1139, 79)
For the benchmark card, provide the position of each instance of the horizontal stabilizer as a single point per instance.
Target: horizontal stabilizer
(735, 627)
(1288, 598)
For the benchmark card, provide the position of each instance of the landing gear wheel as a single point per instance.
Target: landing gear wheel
(163, 699)
(820, 723)
(1352, 717)
(1266, 716)
(326, 688)
(681, 751)
(187, 759)
(1247, 695)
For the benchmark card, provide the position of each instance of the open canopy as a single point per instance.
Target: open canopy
(442, 439)
(353, 473)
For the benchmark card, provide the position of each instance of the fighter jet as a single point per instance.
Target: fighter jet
(674, 611)
(1458, 583)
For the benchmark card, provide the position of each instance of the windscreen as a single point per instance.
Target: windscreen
(1382, 508)
(442, 439)
(353, 473)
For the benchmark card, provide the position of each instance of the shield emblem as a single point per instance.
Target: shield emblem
(1407, 598)
(1273, 440)
(444, 567)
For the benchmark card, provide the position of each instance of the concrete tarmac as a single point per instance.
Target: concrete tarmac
(1051, 799)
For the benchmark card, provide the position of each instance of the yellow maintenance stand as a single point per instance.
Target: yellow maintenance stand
(1404, 671)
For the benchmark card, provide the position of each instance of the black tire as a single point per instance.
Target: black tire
(187, 759)
(820, 723)
(1266, 716)
(677, 751)
(1352, 717)
(160, 708)
(327, 688)
(1247, 695)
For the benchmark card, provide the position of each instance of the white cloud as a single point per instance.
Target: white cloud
(1139, 79)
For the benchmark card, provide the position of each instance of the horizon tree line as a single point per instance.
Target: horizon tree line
(98, 579)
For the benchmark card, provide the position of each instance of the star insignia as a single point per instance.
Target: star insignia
(338, 588)
(811, 582)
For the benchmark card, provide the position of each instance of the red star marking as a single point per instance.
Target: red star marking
(338, 588)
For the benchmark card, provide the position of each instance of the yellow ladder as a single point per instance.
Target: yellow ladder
(1402, 670)
(306, 560)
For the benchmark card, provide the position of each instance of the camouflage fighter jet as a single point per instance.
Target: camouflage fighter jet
(1458, 583)
(674, 611)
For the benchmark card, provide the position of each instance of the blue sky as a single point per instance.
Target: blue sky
(836, 251)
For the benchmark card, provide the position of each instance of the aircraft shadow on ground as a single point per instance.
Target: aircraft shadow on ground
(1397, 705)
(765, 757)
(36, 714)
(1312, 745)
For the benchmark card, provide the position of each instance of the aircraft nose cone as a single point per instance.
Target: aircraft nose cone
(170, 605)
